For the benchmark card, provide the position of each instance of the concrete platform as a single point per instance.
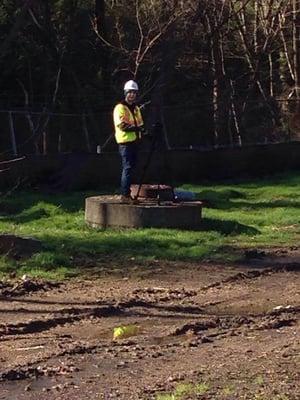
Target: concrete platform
(108, 211)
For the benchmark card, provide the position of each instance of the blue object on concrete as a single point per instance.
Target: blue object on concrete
(184, 195)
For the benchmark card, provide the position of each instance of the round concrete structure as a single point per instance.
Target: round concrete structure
(109, 211)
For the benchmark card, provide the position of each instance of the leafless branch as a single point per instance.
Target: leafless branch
(93, 21)
(14, 160)
(142, 53)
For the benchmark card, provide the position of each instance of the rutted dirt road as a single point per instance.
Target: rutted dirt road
(220, 332)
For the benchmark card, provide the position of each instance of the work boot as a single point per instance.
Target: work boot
(134, 200)
(125, 199)
(128, 199)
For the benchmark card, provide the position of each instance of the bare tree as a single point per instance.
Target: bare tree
(152, 25)
(296, 45)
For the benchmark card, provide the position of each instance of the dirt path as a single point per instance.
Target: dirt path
(207, 331)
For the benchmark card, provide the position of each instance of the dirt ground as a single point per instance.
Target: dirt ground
(211, 331)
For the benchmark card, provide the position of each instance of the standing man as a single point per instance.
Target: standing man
(129, 127)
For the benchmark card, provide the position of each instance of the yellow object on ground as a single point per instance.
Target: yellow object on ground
(122, 332)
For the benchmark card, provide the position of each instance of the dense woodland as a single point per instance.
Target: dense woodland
(213, 72)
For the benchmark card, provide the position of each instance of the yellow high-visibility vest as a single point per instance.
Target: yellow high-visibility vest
(123, 114)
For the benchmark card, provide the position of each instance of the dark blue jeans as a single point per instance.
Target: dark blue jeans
(128, 152)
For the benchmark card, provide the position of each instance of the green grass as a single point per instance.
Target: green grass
(184, 390)
(228, 390)
(259, 380)
(237, 216)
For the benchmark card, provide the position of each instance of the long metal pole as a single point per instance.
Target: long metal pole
(12, 134)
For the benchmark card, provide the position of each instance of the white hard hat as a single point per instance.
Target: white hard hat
(131, 85)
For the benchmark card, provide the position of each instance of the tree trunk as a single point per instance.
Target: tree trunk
(220, 99)
(104, 52)
(296, 47)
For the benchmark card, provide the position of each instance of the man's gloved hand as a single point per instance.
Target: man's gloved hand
(145, 133)
(130, 128)
(156, 129)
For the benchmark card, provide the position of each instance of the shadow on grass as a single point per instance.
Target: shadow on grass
(223, 200)
(125, 246)
(220, 199)
(27, 216)
(27, 207)
(286, 179)
(71, 253)
(148, 243)
(227, 227)
(69, 201)
(266, 204)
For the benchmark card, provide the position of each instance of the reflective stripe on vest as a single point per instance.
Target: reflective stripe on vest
(123, 114)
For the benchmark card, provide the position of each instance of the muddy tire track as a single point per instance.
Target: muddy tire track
(260, 322)
(205, 330)
(254, 274)
(34, 370)
(40, 325)
(26, 286)
(130, 307)
(176, 308)
(214, 328)
(164, 294)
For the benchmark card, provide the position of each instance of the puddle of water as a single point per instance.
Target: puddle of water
(18, 389)
(241, 309)
(151, 331)
(148, 328)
